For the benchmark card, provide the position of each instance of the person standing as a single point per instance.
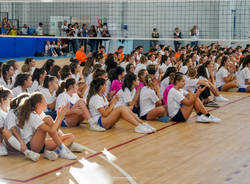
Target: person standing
(177, 35)
(194, 33)
(155, 34)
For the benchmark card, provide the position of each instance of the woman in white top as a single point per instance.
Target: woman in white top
(243, 76)
(181, 103)
(165, 79)
(141, 65)
(224, 76)
(128, 95)
(50, 86)
(32, 63)
(75, 70)
(151, 107)
(165, 63)
(11, 133)
(104, 112)
(7, 76)
(186, 64)
(152, 60)
(22, 84)
(34, 126)
(5, 98)
(38, 79)
(78, 110)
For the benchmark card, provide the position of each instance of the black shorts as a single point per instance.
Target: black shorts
(144, 117)
(42, 150)
(179, 117)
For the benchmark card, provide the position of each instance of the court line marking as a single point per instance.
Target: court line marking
(113, 147)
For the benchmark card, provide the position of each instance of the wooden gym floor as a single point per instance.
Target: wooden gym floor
(178, 153)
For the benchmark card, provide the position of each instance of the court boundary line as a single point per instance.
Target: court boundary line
(113, 147)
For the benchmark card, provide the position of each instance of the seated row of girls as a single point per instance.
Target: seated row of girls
(25, 127)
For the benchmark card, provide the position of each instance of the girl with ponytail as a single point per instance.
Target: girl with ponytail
(106, 114)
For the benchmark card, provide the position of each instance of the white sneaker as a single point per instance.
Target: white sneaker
(149, 127)
(3, 150)
(32, 155)
(214, 119)
(96, 127)
(50, 155)
(203, 119)
(67, 154)
(221, 99)
(142, 129)
(75, 147)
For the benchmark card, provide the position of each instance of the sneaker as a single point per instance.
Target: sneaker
(221, 99)
(211, 104)
(67, 154)
(32, 155)
(50, 155)
(143, 129)
(149, 127)
(3, 150)
(203, 119)
(214, 119)
(75, 147)
(96, 127)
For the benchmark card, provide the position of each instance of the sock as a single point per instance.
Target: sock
(14, 143)
(208, 115)
(91, 121)
(57, 151)
(199, 113)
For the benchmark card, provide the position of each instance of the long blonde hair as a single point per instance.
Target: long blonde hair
(27, 106)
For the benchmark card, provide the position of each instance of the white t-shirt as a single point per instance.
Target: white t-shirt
(3, 116)
(76, 77)
(8, 85)
(148, 98)
(31, 126)
(39, 31)
(139, 67)
(125, 97)
(123, 65)
(35, 87)
(64, 98)
(89, 79)
(163, 85)
(174, 98)
(184, 70)
(220, 75)
(242, 76)
(11, 120)
(191, 84)
(50, 98)
(18, 90)
(164, 67)
(96, 102)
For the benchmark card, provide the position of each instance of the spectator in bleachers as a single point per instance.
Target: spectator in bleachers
(155, 34)
(177, 35)
(92, 43)
(25, 29)
(106, 43)
(13, 31)
(194, 33)
(99, 32)
(64, 28)
(76, 34)
(39, 29)
(84, 32)
(4, 30)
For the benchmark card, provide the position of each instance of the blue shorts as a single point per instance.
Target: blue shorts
(179, 117)
(220, 88)
(42, 150)
(242, 90)
(100, 123)
(64, 123)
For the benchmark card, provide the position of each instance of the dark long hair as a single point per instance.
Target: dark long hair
(65, 85)
(20, 79)
(47, 80)
(223, 60)
(5, 69)
(201, 71)
(170, 70)
(128, 81)
(37, 73)
(94, 88)
(4, 92)
(48, 64)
